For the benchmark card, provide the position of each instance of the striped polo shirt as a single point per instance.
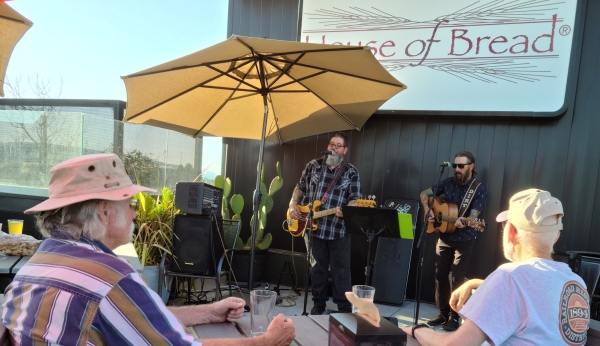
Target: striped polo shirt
(80, 293)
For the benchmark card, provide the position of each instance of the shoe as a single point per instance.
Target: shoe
(317, 310)
(452, 324)
(436, 321)
(344, 310)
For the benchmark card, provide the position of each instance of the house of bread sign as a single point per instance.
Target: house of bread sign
(459, 55)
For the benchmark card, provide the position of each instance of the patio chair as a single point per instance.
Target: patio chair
(230, 233)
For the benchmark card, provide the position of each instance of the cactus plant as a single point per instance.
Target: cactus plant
(262, 240)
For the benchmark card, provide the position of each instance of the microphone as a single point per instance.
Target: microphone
(445, 164)
(328, 152)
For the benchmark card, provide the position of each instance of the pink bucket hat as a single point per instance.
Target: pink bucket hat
(528, 208)
(96, 176)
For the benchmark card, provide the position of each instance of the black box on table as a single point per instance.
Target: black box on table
(354, 330)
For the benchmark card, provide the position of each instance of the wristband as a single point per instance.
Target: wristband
(416, 327)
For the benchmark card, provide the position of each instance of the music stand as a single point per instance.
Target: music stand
(371, 222)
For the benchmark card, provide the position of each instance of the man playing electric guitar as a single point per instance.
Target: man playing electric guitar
(335, 183)
(454, 249)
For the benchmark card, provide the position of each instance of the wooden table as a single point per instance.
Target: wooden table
(310, 330)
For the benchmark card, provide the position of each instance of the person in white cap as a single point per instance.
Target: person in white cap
(531, 301)
(75, 291)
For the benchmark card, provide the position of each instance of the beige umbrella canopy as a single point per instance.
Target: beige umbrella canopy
(261, 89)
(309, 89)
(12, 27)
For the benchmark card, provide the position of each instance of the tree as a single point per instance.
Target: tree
(141, 168)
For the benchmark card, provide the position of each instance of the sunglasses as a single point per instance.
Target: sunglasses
(460, 165)
(337, 145)
(134, 204)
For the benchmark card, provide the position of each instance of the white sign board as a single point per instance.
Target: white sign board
(459, 55)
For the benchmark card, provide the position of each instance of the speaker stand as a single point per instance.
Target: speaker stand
(291, 272)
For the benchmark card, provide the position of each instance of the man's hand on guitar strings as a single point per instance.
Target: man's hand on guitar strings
(459, 222)
(294, 212)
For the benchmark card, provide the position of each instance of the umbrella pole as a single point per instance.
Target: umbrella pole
(256, 197)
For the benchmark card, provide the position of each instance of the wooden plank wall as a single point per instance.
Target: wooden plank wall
(398, 157)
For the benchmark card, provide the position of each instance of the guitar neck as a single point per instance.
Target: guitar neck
(322, 213)
(449, 218)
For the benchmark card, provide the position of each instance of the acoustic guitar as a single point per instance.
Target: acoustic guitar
(296, 226)
(446, 214)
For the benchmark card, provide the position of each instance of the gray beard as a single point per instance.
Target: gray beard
(334, 160)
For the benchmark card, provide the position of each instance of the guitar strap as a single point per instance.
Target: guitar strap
(464, 205)
(335, 179)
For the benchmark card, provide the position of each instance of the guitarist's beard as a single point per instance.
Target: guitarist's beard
(334, 160)
(461, 179)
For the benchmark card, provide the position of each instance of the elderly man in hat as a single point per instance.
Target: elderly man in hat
(75, 291)
(531, 301)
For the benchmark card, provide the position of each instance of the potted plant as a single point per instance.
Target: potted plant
(154, 233)
(241, 259)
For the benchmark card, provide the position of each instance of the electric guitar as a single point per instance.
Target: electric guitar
(446, 214)
(296, 227)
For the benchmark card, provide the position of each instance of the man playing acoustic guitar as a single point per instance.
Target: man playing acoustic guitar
(454, 249)
(334, 182)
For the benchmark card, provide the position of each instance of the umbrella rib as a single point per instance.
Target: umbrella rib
(288, 66)
(316, 51)
(184, 67)
(232, 77)
(347, 74)
(275, 120)
(320, 98)
(299, 79)
(227, 88)
(17, 20)
(221, 106)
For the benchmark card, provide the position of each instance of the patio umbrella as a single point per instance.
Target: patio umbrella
(12, 27)
(261, 89)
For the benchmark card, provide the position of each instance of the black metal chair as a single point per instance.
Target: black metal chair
(231, 232)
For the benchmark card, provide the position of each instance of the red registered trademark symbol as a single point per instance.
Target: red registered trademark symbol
(564, 30)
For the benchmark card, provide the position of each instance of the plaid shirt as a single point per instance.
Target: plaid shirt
(315, 181)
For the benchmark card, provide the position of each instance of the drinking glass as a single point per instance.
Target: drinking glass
(262, 307)
(363, 291)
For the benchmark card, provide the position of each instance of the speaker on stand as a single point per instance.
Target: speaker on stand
(196, 245)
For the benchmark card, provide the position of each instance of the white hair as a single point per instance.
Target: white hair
(75, 221)
(540, 244)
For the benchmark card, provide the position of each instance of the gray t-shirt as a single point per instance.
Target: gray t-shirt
(537, 302)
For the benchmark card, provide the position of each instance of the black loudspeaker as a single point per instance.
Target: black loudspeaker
(198, 198)
(196, 244)
(390, 274)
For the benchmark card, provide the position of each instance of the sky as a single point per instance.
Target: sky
(89, 45)
(83, 47)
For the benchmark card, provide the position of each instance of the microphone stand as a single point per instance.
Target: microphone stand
(308, 227)
(422, 251)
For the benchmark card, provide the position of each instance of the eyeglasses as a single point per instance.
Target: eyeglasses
(337, 145)
(134, 204)
(460, 165)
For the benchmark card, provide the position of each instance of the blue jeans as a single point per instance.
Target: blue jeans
(334, 254)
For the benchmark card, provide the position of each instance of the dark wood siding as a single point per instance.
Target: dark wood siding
(398, 157)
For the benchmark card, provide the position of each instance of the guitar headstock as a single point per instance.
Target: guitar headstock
(478, 224)
(367, 203)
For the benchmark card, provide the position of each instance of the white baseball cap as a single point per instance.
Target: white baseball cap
(528, 208)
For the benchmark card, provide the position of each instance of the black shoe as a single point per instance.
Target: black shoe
(452, 324)
(317, 310)
(344, 309)
(436, 321)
